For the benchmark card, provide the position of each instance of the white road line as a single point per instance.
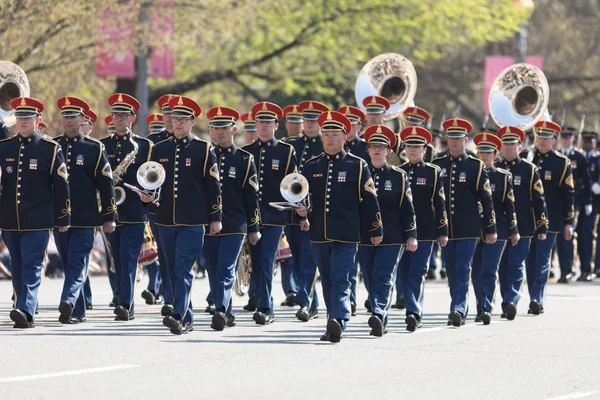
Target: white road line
(578, 395)
(66, 373)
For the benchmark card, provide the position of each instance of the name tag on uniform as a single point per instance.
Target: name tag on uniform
(388, 185)
(79, 160)
(517, 180)
(188, 162)
(342, 176)
(111, 156)
(232, 172)
(573, 164)
(163, 160)
(421, 181)
(275, 165)
(548, 175)
(317, 175)
(33, 163)
(462, 177)
(10, 159)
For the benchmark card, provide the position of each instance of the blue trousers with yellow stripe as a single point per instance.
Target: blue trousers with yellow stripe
(263, 257)
(306, 267)
(538, 266)
(510, 271)
(222, 253)
(181, 246)
(458, 255)
(27, 251)
(413, 269)
(484, 272)
(163, 272)
(379, 267)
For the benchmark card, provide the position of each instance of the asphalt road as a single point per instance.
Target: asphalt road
(552, 356)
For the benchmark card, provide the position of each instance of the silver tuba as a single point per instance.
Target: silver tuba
(389, 75)
(519, 96)
(293, 188)
(13, 84)
(150, 175)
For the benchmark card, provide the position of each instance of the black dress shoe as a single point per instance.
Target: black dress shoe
(585, 278)
(486, 318)
(400, 304)
(535, 307)
(230, 320)
(334, 329)
(368, 306)
(456, 319)
(78, 320)
(20, 319)
(166, 310)
(478, 318)
(263, 318)
(511, 311)
(115, 301)
(430, 274)
(503, 315)
(219, 321)
(563, 279)
(187, 328)
(123, 314)
(289, 300)
(173, 324)
(89, 306)
(442, 273)
(353, 309)
(66, 310)
(158, 299)
(303, 314)
(148, 296)
(210, 309)
(569, 275)
(412, 323)
(376, 325)
(251, 306)
(325, 337)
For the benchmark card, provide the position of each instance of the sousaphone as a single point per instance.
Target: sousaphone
(13, 84)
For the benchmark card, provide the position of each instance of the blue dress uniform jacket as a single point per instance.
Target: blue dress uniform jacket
(358, 147)
(467, 186)
(156, 138)
(594, 169)
(132, 210)
(35, 188)
(503, 198)
(239, 188)
(89, 171)
(305, 148)
(581, 178)
(429, 200)
(530, 205)
(191, 194)
(557, 178)
(396, 206)
(274, 160)
(338, 185)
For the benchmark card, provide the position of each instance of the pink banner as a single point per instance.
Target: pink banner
(496, 64)
(115, 55)
(163, 27)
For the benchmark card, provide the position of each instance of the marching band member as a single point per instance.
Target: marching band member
(112, 276)
(379, 262)
(126, 152)
(89, 171)
(487, 256)
(87, 124)
(416, 116)
(294, 122)
(190, 199)
(429, 201)
(239, 188)
(250, 133)
(557, 179)
(343, 194)
(306, 147)
(274, 160)
(467, 184)
(587, 229)
(529, 195)
(35, 199)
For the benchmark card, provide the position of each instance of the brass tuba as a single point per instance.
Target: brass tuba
(519, 96)
(389, 75)
(13, 84)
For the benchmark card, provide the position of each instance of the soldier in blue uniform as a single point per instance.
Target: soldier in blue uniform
(429, 200)
(154, 294)
(239, 191)
(531, 211)
(587, 241)
(306, 147)
(343, 194)
(467, 185)
(126, 152)
(274, 160)
(294, 122)
(417, 116)
(35, 199)
(583, 205)
(89, 171)
(557, 179)
(357, 146)
(487, 256)
(379, 262)
(190, 200)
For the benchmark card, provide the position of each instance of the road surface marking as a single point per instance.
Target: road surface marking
(66, 373)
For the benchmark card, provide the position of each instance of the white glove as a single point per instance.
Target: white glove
(596, 188)
(588, 209)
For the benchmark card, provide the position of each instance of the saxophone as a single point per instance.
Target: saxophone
(121, 169)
